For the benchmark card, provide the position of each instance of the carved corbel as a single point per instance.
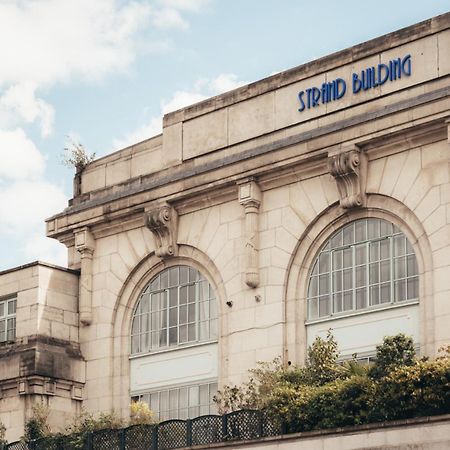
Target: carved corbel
(447, 122)
(349, 169)
(250, 199)
(85, 245)
(163, 223)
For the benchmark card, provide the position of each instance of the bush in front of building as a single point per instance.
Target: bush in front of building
(329, 394)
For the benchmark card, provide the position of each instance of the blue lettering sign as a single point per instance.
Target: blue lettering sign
(368, 78)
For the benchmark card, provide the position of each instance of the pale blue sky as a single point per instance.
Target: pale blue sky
(103, 71)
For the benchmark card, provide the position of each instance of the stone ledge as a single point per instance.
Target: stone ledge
(189, 169)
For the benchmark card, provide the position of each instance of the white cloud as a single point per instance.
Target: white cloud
(19, 102)
(20, 159)
(203, 88)
(169, 18)
(25, 204)
(39, 247)
(47, 41)
(187, 5)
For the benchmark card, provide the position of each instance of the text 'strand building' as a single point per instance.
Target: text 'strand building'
(317, 198)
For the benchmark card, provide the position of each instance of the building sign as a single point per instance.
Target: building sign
(368, 78)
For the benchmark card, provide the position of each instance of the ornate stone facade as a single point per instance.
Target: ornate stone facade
(247, 191)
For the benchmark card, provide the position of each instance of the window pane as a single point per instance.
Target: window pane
(411, 265)
(173, 297)
(348, 301)
(184, 274)
(399, 245)
(337, 259)
(337, 303)
(313, 308)
(400, 290)
(324, 262)
(360, 231)
(374, 295)
(2, 309)
(164, 279)
(385, 270)
(324, 306)
(360, 273)
(384, 249)
(348, 259)
(413, 288)
(313, 285)
(173, 276)
(360, 254)
(348, 237)
(361, 299)
(373, 228)
(347, 279)
(337, 281)
(399, 268)
(385, 293)
(324, 284)
(374, 273)
(374, 250)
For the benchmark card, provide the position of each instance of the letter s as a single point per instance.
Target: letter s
(302, 103)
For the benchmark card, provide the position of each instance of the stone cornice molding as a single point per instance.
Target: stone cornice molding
(162, 221)
(250, 198)
(349, 168)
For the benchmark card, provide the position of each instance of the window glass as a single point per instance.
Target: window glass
(177, 307)
(366, 264)
(8, 319)
(181, 402)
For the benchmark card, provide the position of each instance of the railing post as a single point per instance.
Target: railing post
(225, 427)
(122, 436)
(188, 432)
(155, 437)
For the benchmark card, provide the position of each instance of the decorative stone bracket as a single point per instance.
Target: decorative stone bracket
(447, 122)
(250, 199)
(349, 169)
(85, 244)
(163, 223)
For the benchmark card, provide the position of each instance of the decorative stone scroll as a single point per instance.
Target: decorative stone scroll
(163, 223)
(349, 169)
(250, 199)
(85, 245)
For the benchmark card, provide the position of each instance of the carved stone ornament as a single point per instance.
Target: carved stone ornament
(250, 199)
(163, 223)
(349, 169)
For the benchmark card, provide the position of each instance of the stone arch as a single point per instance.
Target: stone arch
(139, 277)
(318, 232)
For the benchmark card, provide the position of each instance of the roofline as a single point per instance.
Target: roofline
(39, 263)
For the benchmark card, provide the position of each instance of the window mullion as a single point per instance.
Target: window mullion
(331, 290)
(391, 267)
(353, 277)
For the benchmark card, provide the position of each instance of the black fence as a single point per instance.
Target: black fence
(203, 430)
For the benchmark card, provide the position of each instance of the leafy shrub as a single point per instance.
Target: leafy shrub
(36, 426)
(141, 414)
(416, 390)
(395, 351)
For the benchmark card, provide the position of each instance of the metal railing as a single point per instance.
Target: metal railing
(203, 430)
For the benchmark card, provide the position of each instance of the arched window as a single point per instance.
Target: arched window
(177, 307)
(366, 264)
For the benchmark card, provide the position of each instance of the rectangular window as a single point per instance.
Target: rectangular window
(8, 319)
(181, 402)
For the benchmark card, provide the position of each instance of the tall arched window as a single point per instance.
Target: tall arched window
(177, 307)
(169, 369)
(365, 265)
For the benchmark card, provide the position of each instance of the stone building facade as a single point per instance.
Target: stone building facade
(316, 198)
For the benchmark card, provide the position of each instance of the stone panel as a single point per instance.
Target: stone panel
(205, 134)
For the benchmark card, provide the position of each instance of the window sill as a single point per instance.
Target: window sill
(172, 349)
(362, 312)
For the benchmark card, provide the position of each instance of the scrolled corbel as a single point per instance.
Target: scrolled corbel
(162, 221)
(349, 169)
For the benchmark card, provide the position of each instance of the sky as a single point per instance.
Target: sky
(102, 73)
